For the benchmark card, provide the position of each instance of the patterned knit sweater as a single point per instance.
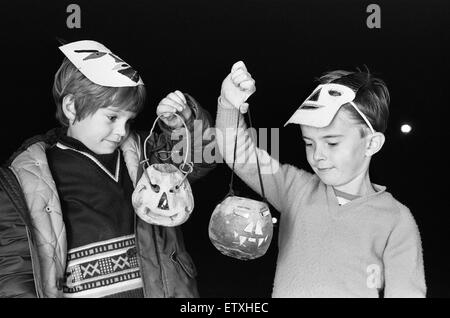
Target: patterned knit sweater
(365, 248)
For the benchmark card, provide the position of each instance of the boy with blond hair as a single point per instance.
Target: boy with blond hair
(340, 235)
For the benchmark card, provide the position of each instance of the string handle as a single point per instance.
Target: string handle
(231, 192)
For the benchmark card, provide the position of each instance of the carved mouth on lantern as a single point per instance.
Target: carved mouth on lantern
(243, 239)
(249, 229)
(155, 216)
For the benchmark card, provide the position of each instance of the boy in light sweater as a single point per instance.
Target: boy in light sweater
(340, 235)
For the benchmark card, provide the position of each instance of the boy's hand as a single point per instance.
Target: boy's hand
(237, 87)
(175, 102)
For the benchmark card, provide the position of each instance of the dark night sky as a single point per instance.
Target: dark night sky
(191, 45)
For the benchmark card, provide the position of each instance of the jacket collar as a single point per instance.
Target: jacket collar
(131, 149)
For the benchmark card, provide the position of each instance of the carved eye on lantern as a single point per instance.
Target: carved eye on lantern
(155, 187)
(163, 196)
(241, 228)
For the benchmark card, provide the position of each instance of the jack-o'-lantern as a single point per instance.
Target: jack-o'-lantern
(241, 228)
(163, 195)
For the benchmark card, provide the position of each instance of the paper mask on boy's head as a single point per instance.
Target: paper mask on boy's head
(319, 109)
(100, 65)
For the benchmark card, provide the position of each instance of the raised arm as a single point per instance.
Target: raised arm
(279, 180)
(199, 125)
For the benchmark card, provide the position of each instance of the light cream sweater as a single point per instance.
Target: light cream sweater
(327, 250)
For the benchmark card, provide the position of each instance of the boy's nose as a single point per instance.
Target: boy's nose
(120, 130)
(318, 154)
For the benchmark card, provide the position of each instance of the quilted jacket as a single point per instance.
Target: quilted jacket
(33, 243)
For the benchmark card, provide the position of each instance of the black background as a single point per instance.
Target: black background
(191, 45)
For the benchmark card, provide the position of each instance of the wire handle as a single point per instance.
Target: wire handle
(181, 167)
(187, 147)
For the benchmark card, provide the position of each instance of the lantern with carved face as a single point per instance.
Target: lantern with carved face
(241, 228)
(163, 195)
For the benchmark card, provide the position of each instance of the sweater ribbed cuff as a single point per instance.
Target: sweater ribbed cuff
(227, 117)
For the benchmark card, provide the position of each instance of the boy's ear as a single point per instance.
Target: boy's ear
(68, 107)
(374, 143)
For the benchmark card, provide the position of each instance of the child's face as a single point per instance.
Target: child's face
(337, 153)
(103, 131)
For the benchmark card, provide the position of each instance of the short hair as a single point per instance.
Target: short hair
(89, 97)
(372, 96)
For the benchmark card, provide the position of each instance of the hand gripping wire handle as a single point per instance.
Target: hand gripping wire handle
(231, 192)
(184, 164)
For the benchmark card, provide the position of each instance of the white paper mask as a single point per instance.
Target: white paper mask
(319, 109)
(100, 65)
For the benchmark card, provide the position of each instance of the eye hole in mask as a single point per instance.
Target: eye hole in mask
(310, 107)
(334, 93)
